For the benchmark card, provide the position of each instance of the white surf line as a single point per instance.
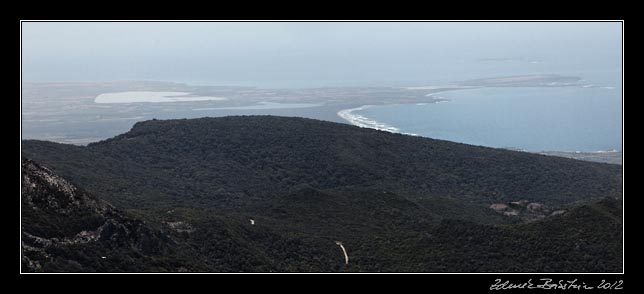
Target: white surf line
(437, 99)
(606, 151)
(346, 257)
(365, 122)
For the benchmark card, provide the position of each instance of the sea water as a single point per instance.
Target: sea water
(529, 118)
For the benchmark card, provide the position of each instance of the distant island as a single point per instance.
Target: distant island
(525, 81)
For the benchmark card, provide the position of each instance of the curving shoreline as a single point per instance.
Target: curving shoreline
(365, 122)
(604, 156)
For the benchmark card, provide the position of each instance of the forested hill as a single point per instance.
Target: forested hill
(265, 193)
(230, 158)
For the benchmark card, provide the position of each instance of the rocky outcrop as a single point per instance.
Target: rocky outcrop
(525, 210)
(44, 190)
(180, 226)
(57, 215)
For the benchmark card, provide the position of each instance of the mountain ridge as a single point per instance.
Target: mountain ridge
(265, 149)
(395, 202)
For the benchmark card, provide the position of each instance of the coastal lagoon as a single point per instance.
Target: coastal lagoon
(534, 119)
(584, 116)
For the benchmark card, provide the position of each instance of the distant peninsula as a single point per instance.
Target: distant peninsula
(539, 80)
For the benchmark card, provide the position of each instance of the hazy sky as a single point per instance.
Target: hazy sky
(312, 53)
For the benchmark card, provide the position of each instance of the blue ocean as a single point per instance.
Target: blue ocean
(533, 119)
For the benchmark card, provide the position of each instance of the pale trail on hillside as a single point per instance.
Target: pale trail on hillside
(346, 257)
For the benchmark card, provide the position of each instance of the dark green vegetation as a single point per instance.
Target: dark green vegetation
(65, 229)
(398, 203)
